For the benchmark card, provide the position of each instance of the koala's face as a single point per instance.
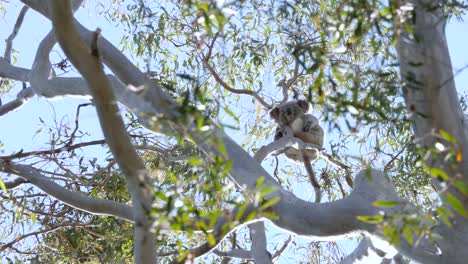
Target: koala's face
(286, 113)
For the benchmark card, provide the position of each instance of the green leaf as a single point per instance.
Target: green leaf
(408, 235)
(33, 218)
(462, 186)
(269, 203)
(211, 239)
(3, 186)
(195, 161)
(447, 136)
(385, 204)
(371, 219)
(445, 215)
(438, 173)
(456, 204)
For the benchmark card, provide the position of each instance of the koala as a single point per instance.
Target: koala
(305, 127)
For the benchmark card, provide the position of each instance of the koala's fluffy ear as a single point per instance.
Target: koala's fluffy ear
(304, 105)
(274, 113)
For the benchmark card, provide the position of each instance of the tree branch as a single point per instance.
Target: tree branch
(258, 249)
(226, 86)
(113, 127)
(74, 199)
(15, 183)
(11, 37)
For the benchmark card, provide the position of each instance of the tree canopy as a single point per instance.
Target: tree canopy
(186, 167)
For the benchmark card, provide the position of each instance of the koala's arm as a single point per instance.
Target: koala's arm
(312, 131)
(310, 121)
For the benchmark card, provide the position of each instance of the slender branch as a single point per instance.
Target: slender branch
(278, 253)
(220, 231)
(21, 97)
(285, 85)
(77, 116)
(65, 148)
(224, 84)
(76, 200)
(40, 232)
(349, 179)
(394, 157)
(16, 28)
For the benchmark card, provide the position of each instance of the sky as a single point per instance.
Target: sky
(17, 129)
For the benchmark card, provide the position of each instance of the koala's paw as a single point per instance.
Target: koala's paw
(278, 135)
(308, 126)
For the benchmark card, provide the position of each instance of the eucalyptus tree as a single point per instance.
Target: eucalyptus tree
(190, 170)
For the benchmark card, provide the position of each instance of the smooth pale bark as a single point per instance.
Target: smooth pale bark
(433, 105)
(88, 63)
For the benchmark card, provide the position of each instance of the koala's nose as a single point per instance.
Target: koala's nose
(289, 112)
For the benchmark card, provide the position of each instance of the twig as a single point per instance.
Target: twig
(394, 157)
(287, 84)
(340, 164)
(77, 115)
(22, 154)
(340, 186)
(278, 253)
(226, 86)
(19, 238)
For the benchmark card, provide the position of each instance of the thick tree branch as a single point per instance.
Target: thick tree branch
(258, 249)
(234, 253)
(138, 180)
(428, 85)
(361, 251)
(9, 71)
(15, 183)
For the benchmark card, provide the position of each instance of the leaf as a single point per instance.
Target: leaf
(3, 186)
(445, 215)
(438, 173)
(33, 218)
(385, 204)
(269, 203)
(211, 239)
(447, 136)
(195, 161)
(456, 204)
(462, 186)
(371, 219)
(408, 235)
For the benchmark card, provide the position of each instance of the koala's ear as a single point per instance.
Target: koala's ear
(303, 104)
(274, 113)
